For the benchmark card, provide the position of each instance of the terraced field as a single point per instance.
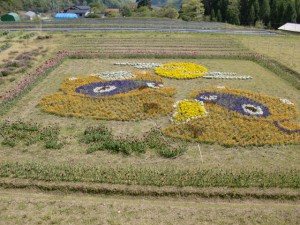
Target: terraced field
(159, 43)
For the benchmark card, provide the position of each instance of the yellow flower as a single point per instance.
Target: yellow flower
(188, 110)
(181, 70)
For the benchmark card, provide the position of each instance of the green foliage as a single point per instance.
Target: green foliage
(191, 10)
(168, 12)
(130, 175)
(28, 133)
(144, 3)
(100, 138)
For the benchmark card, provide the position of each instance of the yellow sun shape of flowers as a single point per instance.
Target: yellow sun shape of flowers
(188, 110)
(181, 70)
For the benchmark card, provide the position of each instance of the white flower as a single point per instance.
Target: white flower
(252, 109)
(209, 98)
(102, 89)
(286, 101)
(220, 86)
(225, 75)
(154, 85)
(73, 78)
(139, 65)
(118, 75)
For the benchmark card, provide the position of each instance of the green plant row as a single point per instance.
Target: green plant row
(100, 138)
(151, 176)
(29, 133)
(4, 47)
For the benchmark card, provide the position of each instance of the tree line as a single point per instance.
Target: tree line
(266, 13)
(270, 13)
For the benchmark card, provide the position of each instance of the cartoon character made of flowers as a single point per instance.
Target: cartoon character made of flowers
(237, 118)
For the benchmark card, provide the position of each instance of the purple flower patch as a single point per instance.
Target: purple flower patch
(240, 104)
(113, 87)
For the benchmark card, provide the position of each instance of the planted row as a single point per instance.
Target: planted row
(131, 175)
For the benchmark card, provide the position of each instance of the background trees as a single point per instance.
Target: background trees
(268, 13)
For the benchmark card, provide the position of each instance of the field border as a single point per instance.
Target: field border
(283, 194)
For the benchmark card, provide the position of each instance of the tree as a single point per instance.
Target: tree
(265, 11)
(191, 10)
(297, 7)
(233, 13)
(251, 17)
(141, 3)
(168, 12)
(244, 11)
(256, 10)
(290, 13)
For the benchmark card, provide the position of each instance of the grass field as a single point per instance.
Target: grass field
(31, 207)
(271, 167)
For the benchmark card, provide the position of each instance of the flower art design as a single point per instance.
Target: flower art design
(91, 97)
(240, 118)
(181, 70)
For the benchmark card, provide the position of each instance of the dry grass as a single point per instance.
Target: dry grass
(284, 49)
(30, 207)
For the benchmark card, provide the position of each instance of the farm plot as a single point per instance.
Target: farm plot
(112, 105)
(119, 43)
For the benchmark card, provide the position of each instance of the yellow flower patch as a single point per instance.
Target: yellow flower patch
(187, 110)
(181, 70)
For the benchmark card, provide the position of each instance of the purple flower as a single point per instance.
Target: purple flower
(113, 87)
(240, 104)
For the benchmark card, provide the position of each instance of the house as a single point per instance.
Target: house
(290, 27)
(10, 17)
(80, 11)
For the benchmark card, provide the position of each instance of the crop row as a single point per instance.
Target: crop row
(151, 176)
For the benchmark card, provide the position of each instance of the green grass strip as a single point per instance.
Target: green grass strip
(151, 176)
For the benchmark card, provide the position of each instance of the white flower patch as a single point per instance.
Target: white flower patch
(118, 75)
(225, 75)
(154, 85)
(252, 109)
(102, 89)
(220, 87)
(139, 65)
(209, 98)
(286, 101)
(72, 78)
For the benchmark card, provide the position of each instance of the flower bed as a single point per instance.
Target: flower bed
(91, 97)
(181, 70)
(240, 118)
